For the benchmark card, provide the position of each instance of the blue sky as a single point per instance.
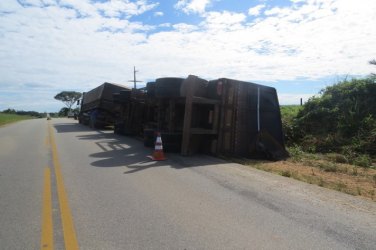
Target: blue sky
(296, 46)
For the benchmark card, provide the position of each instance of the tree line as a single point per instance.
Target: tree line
(22, 112)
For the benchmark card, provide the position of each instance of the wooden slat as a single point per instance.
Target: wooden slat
(202, 100)
(201, 131)
(188, 116)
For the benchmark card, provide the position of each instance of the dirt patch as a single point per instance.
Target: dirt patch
(341, 177)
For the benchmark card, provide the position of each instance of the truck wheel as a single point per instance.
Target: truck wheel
(168, 87)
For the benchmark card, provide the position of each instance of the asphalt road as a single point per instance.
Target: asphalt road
(63, 185)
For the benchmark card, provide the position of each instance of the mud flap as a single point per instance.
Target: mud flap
(267, 146)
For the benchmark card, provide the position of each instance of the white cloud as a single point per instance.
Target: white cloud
(117, 8)
(256, 11)
(112, 9)
(48, 2)
(9, 6)
(164, 25)
(281, 12)
(312, 39)
(184, 28)
(83, 7)
(192, 6)
(158, 13)
(35, 3)
(223, 20)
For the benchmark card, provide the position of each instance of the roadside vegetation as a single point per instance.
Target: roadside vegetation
(64, 111)
(324, 170)
(10, 118)
(332, 139)
(69, 98)
(11, 115)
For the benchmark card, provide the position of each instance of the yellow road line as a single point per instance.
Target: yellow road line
(47, 239)
(70, 238)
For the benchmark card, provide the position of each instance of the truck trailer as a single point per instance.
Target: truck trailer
(219, 117)
(97, 105)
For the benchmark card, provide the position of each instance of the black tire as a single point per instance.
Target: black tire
(168, 87)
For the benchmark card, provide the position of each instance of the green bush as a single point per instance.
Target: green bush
(338, 158)
(296, 152)
(286, 173)
(328, 167)
(341, 120)
(363, 161)
(288, 115)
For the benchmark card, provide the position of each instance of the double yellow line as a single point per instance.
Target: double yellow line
(70, 238)
(47, 241)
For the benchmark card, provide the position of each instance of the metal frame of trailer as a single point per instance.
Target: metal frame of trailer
(219, 117)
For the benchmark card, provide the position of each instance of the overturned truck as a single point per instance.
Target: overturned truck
(97, 105)
(219, 117)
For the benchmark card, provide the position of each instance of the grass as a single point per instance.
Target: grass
(326, 171)
(290, 111)
(10, 118)
(347, 171)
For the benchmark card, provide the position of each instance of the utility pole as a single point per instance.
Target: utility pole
(134, 77)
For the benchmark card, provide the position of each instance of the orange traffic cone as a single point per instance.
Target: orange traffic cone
(158, 154)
